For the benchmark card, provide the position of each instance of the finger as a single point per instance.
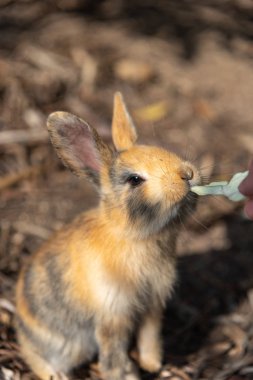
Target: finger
(246, 187)
(248, 209)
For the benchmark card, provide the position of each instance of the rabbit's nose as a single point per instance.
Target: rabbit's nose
(186, 173)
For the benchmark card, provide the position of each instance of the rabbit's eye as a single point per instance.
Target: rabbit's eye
(135, 180)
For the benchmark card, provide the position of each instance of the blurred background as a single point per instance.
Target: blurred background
(185, 70)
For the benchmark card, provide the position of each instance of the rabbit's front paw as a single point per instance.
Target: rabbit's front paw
(132, 376)
(131, 372)
(150, 363)
(60, 376)
(127, 372)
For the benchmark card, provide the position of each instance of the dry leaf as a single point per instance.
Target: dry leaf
(133, 71)
(203, 109)
(152, 112)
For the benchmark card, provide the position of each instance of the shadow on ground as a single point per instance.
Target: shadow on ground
(210, 285)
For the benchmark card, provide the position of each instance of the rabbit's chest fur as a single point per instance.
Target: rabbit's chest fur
(120, 276)
(143, 284)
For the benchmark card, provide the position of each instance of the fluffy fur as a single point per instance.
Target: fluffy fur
(108, 273)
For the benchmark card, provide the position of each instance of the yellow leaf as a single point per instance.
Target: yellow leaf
(152, 112)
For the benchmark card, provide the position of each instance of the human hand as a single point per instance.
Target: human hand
(246, 188)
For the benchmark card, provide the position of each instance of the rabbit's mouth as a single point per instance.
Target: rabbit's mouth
(180, 210)
(186, 206)
(154, 217)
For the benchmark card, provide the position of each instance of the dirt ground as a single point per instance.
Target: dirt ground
(185, 69)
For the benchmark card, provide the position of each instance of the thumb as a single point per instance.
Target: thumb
(246, 187)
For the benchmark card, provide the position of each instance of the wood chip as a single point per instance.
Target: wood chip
(13, 178)
(133, 71)
(7, 305)
(23, 137)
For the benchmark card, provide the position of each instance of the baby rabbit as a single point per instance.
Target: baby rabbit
(109, 272)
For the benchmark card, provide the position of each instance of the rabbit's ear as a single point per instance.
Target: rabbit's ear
(78, 145)
(123, 131)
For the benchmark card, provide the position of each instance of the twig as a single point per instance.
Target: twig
(7, 305)
(13, 178)
(31, 229)
(23, 137)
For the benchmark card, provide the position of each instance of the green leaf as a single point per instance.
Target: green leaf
(228, 189)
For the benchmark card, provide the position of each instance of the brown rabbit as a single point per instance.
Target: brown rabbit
(110, 271)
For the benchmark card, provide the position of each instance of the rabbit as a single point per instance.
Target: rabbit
(106, 276)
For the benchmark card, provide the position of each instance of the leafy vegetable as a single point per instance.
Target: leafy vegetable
(228, 189)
